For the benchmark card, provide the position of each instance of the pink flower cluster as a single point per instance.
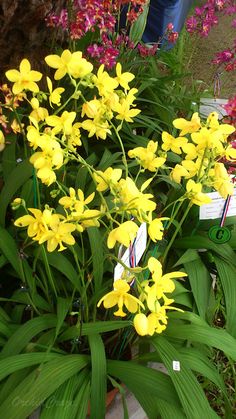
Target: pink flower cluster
(226, 57)
(108, 51)
(205, 16)
(230, 108)
(102, 16)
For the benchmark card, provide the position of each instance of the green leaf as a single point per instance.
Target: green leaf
(99, 377)
(227, 275)
(199, 363)
(192, 397)
(189, 256)
(168, 411)
(39, 385)
(81, 402)
(63, 305)
(201, 332)
(137, 378)
(203, 242)
(9, 157)
(95, 239)
(15, 180)
(10, 251)
(63, 265)
(13, 363)
(26, 332)
(137, 28)
(96, 327)
(61, 403)
(200, 281)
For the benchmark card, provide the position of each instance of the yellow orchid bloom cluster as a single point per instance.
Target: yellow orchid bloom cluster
(54, 135)
(201, 146)
(47, 226)
(152, 299)
(55, 229)
(147, 157)
(132, 201)
(76, 208)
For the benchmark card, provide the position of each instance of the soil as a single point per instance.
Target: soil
(202, 51)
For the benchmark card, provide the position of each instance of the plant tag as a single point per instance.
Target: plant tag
(139, 246)
(208, 105)
(140, 242)
(214, 209)
(176, 365)
(219, 234)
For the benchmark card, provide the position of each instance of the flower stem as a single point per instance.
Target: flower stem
(176, 232)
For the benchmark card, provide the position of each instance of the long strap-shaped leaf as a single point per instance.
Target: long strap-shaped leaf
(39, 385)
(227, 274)
(147, 385)
(99, 377)
(17, 178)
(17, 362)
(94, 327)
(193, 399)
(26, 332)
(205, 334)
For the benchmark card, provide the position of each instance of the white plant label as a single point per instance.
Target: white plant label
(176, 365)
(140, 244)
(214, 209)
(208, 105)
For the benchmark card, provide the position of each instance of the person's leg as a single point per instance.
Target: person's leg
(161, 12)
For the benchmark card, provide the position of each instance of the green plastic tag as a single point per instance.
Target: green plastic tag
(219, 234)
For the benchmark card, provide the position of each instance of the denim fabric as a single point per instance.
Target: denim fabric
(162, 12)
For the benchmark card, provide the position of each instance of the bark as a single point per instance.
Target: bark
(23, 32)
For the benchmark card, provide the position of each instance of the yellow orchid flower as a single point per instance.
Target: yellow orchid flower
(221, 181)
(123, 78)
(2, 141)
(55, 95)
(92, 109)
(214, 125)
(190, 150)
(147, 157)
(96, 127)
(124, 113)
(25, 78)
(195, 194)
(192, 167)
(104, 83)
(156, 229)
(59, 233)
(107, 179)
(38, 113)
(188, 127)
(153, 323)
(172, 143)
(121, 298)
(134, 200)
(69, 63)
(38, 223)
(75, 201)
(178, 172)
(61, 123)
(124, 234)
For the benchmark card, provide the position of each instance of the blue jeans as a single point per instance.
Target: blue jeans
(162, 12)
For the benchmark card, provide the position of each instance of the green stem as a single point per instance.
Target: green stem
(48, 270)
(176, 232)
(122, 149)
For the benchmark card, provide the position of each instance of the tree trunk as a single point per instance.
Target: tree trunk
(23, 32)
